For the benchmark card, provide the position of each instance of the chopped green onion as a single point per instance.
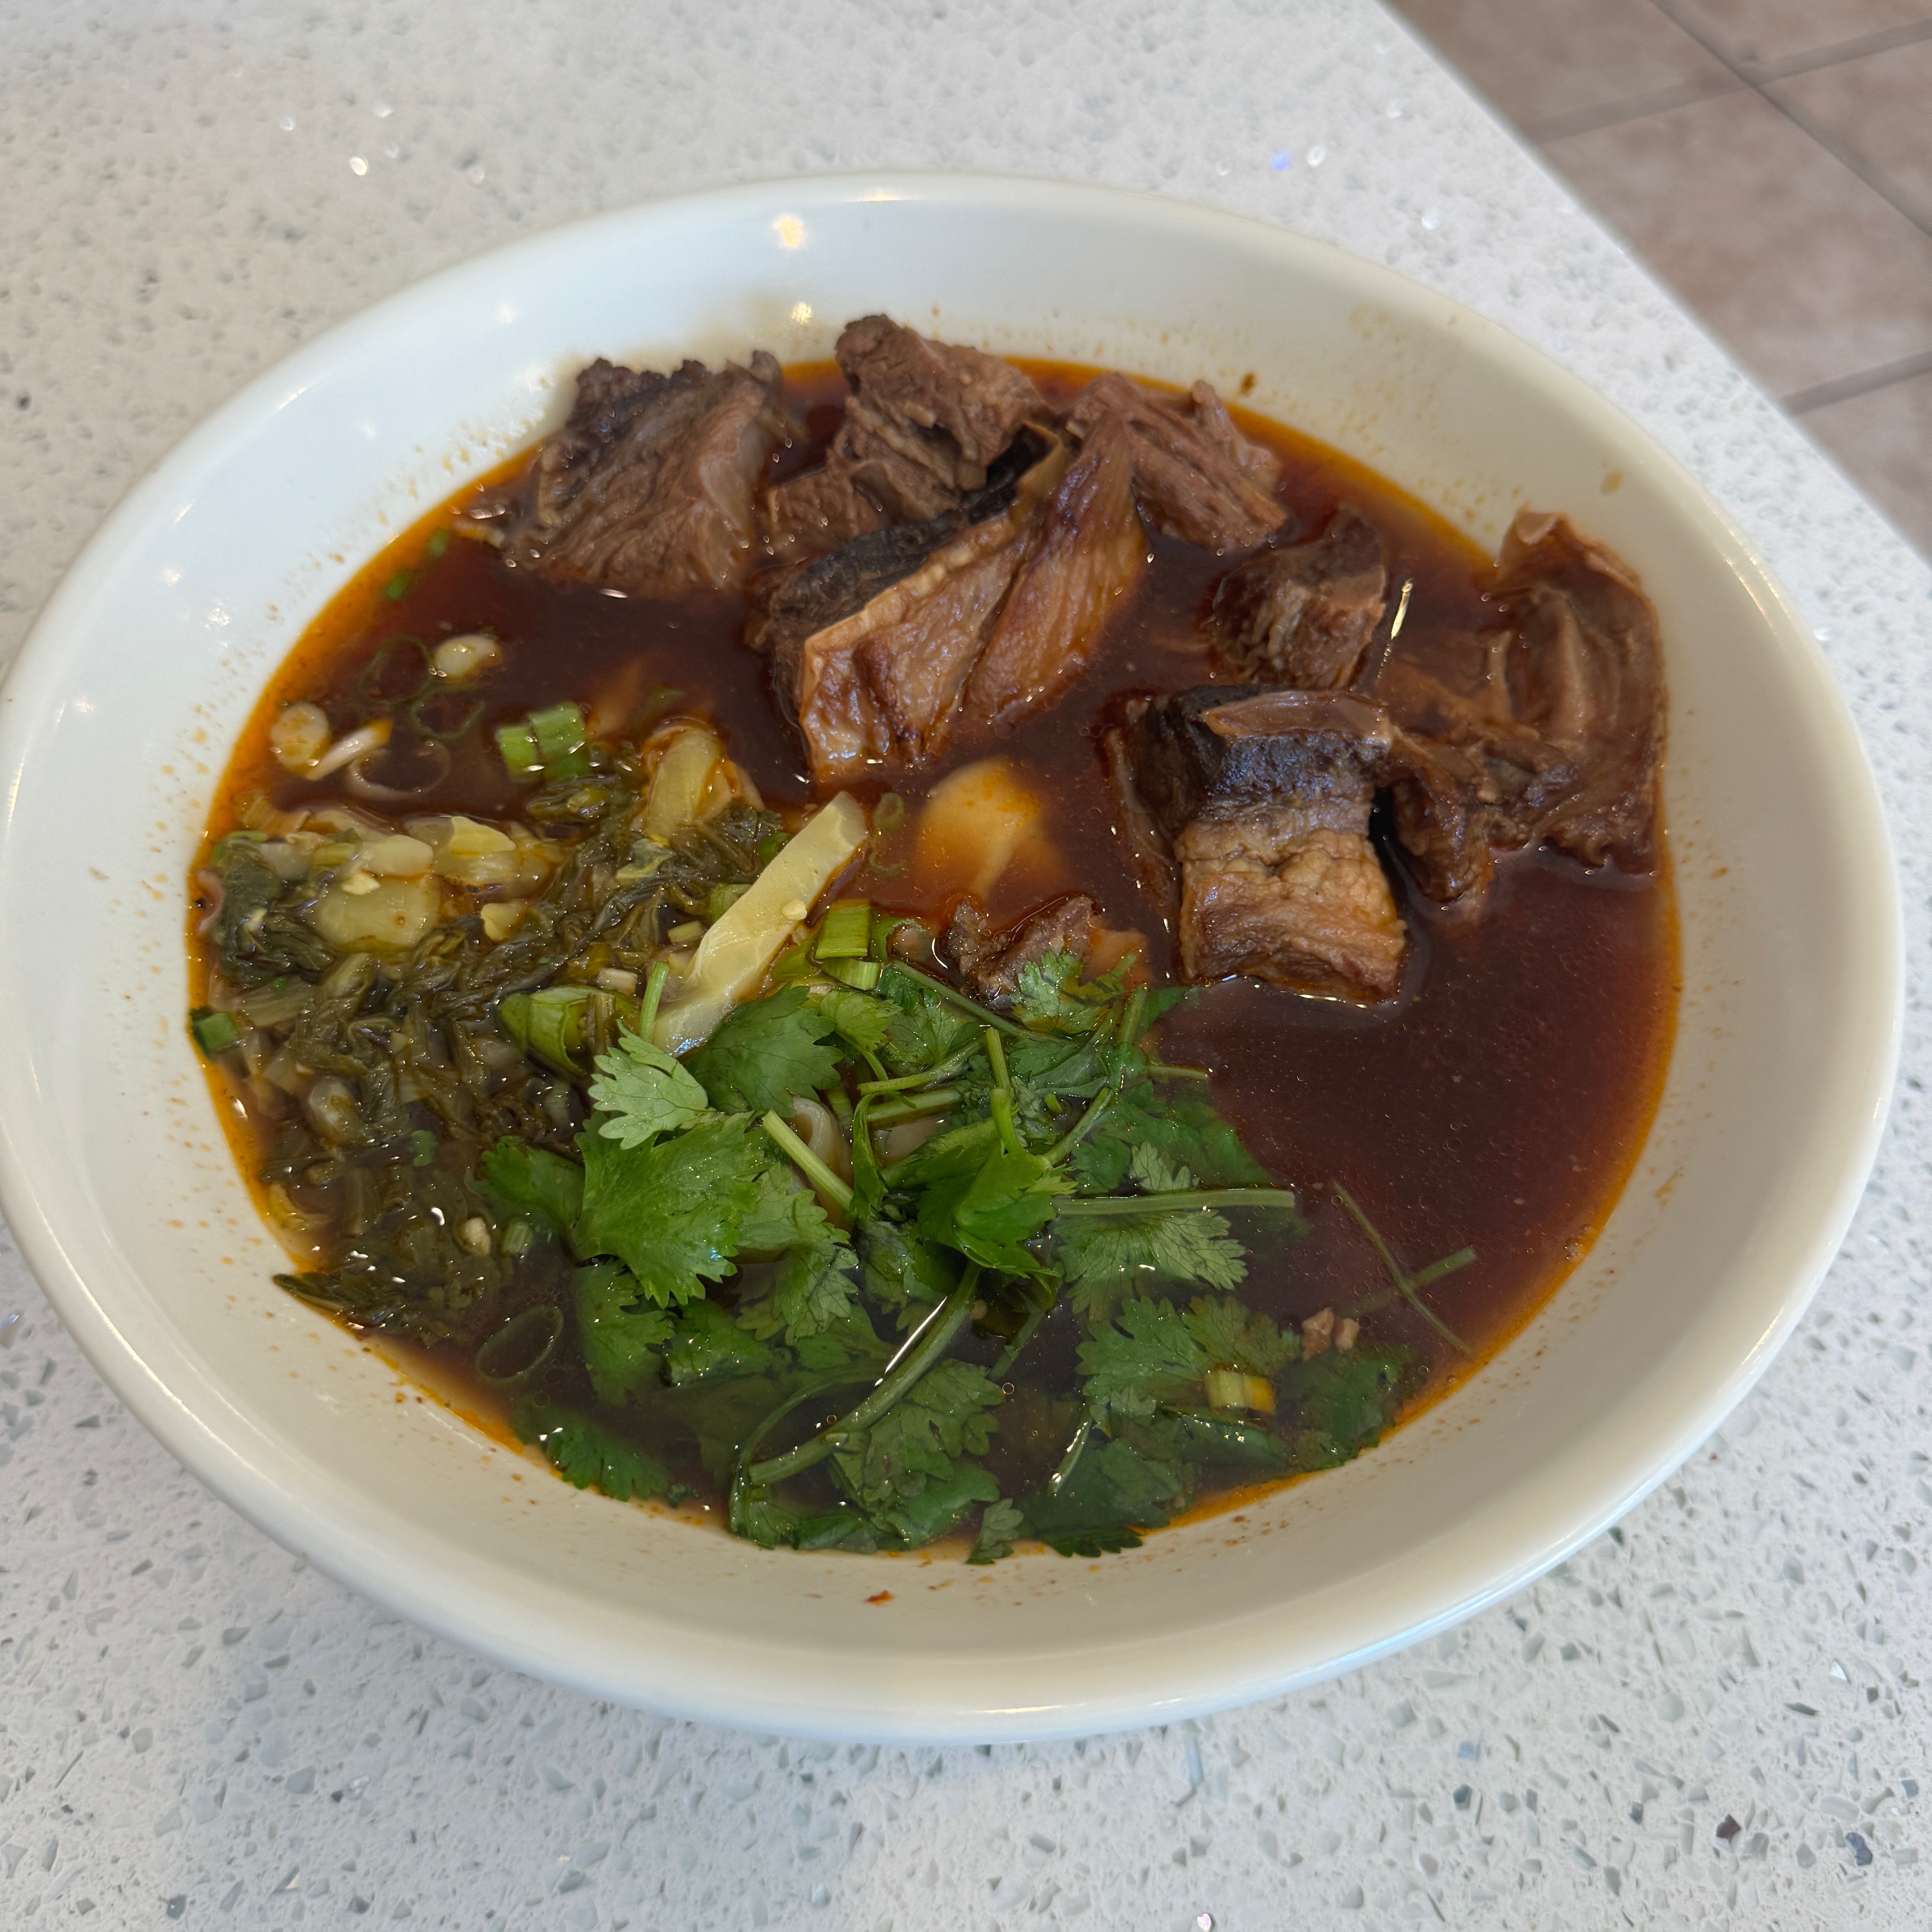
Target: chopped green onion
(847, 931)
(400, 585)
(889, 815)
(770, 846)
(521, 757)
(722, 898)
(561, 738)
(556, 1024)
(884, 925)
(863, 975)
(423, 1145)
(214, 1033)
(439, 542)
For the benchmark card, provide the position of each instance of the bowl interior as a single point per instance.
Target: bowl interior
(120, 713)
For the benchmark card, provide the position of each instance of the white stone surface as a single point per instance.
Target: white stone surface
(194, 1727)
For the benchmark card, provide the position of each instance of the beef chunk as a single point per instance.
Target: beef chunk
(1197, 477)
(871, 645)
(1087, 550)
(647, 489)
(989, 959)
(1304, 616)
(1308, 907)
(1263, 795)
(1552, 730)
(946, 409)
(823, 510)
(1588, 678)
(924, 424)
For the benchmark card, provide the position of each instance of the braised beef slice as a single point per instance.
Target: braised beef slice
(871, 645)
(988, 958)
(806, 516)
(1588, 680)
(1304, 616)
(647, 488)
(1196, 476)
(1263, 795)
(1552, 730)
(924, 425)
(1087, 550)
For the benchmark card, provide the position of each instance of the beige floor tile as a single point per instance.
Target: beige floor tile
(1880, 110)
(1804, 270)
(1543, 61)
(1883, 440)
(1761, 32)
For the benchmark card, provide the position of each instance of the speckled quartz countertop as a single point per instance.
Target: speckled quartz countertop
(1712, 1716)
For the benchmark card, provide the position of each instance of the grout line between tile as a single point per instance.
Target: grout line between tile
(1844, 157)
(1588, 120)
(1842, 388)
(1837, 54)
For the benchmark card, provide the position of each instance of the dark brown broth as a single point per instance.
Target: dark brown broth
(1499, 1104)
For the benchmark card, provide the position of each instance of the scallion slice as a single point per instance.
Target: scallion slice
(214, 1033)
(847, 931)
(561, 738)
(861, 975)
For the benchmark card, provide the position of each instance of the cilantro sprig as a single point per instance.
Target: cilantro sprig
(730, 1274)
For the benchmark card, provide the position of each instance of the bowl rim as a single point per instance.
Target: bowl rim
(1240, 1671)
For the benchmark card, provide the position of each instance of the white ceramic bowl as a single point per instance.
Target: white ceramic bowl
(121, 710)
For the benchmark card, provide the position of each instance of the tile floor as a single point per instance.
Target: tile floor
(1771, 160)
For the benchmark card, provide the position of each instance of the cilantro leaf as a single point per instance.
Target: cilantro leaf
(902, 1269)
(767, 1053)
(938, 1504)
(1050, 996)
(768, 1522)
(1152, 1355)
(1005, 1205)
(862, 1021)
(975, 1197)
(998, 1526)
(707, 1343)
(784, 1214)
(531, 1181)
(1150, 1171)
(943, 1416)
(1232, 1336)
(672, 1211)
(1187, 1438)
(587, 1454)
(1111, 1492)
(814, 1290)
(1104, 1260)
(645, 1093)
(1187, 1131)
(925, 1031)
(620, 1333)
(1338, 1405)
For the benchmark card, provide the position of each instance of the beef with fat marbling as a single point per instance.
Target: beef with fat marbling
(1087, 551)
(1305, 615)
(1551, 730)
(648, 488)
(1196, 476)
(925, 423)
(1262, 795)
(872, 644)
